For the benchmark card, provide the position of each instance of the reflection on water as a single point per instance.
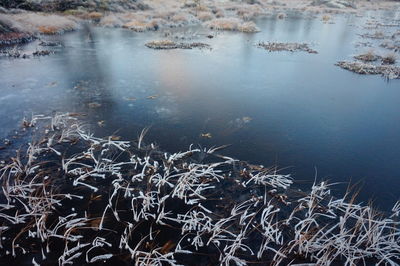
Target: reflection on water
(292, 109)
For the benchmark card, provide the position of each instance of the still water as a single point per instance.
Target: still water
(295, 110)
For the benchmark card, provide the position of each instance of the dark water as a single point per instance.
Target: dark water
(296, 110)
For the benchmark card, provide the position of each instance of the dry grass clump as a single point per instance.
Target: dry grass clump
(387, 71)
(173, 17)
(374, 35)
(16, 53)
(75, 12)
(131, 16)
(369, 56)
(111, 20)
(338, 4)
(42, 23)
(139, 22)
(281, 15)
(48, 30)
(15, 38)
(248, 12)
(202, 8)
(182, 18)
(95, 15)
(179, 18)
(389, 59)
(378, 35)
(326, 18)
(205, 15)
(83, 14)
(391, 45)
(281, 46)
(143, 21)
(231, 24)
(168, 45)
(141, 26)
(396, 34)
(147, 21)
(10, 33)
(248, 27)
(224, 24)
(164, 14)
(219, 13)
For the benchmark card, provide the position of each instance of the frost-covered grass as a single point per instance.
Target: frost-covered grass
(281, 15)
(137, 20)
(168, 44)
(141, 26)
(248, 26)
(391, 45)
(286, 46)
(205, 15)
(94, 15)
(248, 12)
(374, 35)
(145, 21)
(389, 59)
(111, 20)
(387, 71)
(368, 56)
(326, 18)
(232, 24)
(34, 23)
(72, 198)
(222, 15)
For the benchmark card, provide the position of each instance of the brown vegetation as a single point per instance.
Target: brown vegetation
(50, 30)
(33, 23)
(140, 26)
(14, 38)
(389, 59)
(232, 24)
(205, 15)
(168, 44)
(281, 15)
(389, 72)
(291, 47)
(94, 15)
(369, 56)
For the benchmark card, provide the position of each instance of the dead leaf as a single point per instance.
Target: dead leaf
(130, 98)
(95, 223)
(52, 84)
(94, 105)
(206, 135)
(98, 197)
(76, 114)
(247, 119)
(152, 97)
(115, 137)
(167, 247)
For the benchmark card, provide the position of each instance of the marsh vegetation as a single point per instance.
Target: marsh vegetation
(168, 128)
(167, 44)
(70, 197)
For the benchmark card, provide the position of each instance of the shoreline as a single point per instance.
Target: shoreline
(21, 26)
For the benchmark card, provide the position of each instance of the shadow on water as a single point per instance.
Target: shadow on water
(295, 110)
